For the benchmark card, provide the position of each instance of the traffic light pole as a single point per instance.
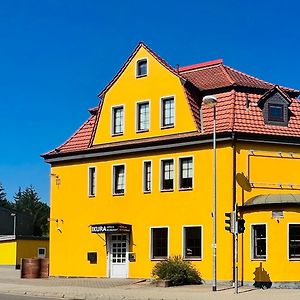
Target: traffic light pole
(236, 287)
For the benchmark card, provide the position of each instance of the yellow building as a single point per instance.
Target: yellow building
(14, 248)
(134, 185)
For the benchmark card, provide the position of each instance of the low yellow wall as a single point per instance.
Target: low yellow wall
(8, 251)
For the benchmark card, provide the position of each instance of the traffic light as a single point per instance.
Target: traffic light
(241, 225)
(229, 221)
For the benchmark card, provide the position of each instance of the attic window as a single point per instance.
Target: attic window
(275, 112)
(142, 67)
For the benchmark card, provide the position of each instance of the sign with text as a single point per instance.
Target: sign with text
(110, 228)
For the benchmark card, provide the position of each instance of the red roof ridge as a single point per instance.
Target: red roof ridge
(231, 80)
(201, 65)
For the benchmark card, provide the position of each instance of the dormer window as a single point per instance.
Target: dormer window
(275, 112)
(142, 67)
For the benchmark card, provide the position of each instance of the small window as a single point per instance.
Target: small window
(92, 257)
(167, 174)
(141, 67)
(168, 112)
(192, 242)
(118, 180)
(159, 243)
(117, 120)
(147, 177)
(143, 116)
(275, 112)
(92, 181)
(186, 173)
(41, 252)
(259, 241)
(294, 241)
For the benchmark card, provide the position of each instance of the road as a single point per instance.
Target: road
(12, 297)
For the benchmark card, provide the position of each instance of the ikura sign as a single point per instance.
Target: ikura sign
(110, 228)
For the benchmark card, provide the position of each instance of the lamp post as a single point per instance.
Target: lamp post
(14, 216)
(211, 101)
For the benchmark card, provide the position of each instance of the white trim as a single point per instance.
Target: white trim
(161, 111)
(183, 243)
(113, 177)
(95, 188)
(150, 243)
(161, 175)
(137, 116)
(136, 67)
(143, 177)
(178, 170)
(112, 119)
(252, 258)
(45, 252)
(288, 241)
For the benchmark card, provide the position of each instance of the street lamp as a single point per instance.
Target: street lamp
(14, 216)
(211, 101)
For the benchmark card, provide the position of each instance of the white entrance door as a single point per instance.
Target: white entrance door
(118, 256)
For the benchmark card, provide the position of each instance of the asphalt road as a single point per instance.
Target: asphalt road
(12, 297)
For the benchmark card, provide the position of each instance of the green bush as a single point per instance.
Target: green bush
(177, 270)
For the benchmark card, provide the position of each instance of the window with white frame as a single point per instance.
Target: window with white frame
(147, 176)
(168, 112)
(186, 173)
(41, 252)
(118, 120)
(159, 243)
(118, 179)
(143, 116)
(141, 67)
(167, 174)
(294, 241)
(92, 181)
(259, 241)
(192, 242)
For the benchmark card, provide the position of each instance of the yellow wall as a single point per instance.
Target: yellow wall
(128, 90)
(8, 253)
(71, 241)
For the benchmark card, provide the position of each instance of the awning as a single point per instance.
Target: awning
(273, 200)
(110, 228)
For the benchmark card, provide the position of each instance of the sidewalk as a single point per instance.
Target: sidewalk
(126, 289)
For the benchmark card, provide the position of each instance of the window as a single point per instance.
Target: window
(259, 241)
(92, 181)
(192, 242)
(275, 112)
(118, 120)
(41, 252)
(186, 173)
(92, 257)
(143, 116)
(141, 67)
(168, 112)
(167, 170)
(147, 177)
(118, 179)
(294, 241)
(159, 243)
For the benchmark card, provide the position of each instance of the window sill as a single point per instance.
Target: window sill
(294, 259)
(142, 131)
(92, 196)
(118, 194)
(166, 191)
(147, 192)
(117, 134)
(258, 259)
(141, 76)
(158, 259)
(185, 189)
(193, 258)
(167, 127)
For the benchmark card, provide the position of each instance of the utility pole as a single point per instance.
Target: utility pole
(236, 280)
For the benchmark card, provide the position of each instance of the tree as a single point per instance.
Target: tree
(3, 201)
(29, 202)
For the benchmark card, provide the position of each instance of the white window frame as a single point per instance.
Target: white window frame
(45, 252)
(89, 182)
(113, 179)
(288, 242)
(137, 119)
(136, 67)
(183, 243)
(112, 119)
(179, 172)
(144, 177)
(151, 243)
(162, 99)
(161, 176)
(252, 242)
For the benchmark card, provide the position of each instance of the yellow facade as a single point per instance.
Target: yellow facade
(241, 175)
(8, 250)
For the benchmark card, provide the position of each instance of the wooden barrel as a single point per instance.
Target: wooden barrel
(44, 273)
(30, 268)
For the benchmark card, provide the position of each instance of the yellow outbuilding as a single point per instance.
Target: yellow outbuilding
(138, 182)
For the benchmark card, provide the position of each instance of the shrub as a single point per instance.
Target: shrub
(177, 270)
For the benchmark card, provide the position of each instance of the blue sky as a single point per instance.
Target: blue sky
(56, 56)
